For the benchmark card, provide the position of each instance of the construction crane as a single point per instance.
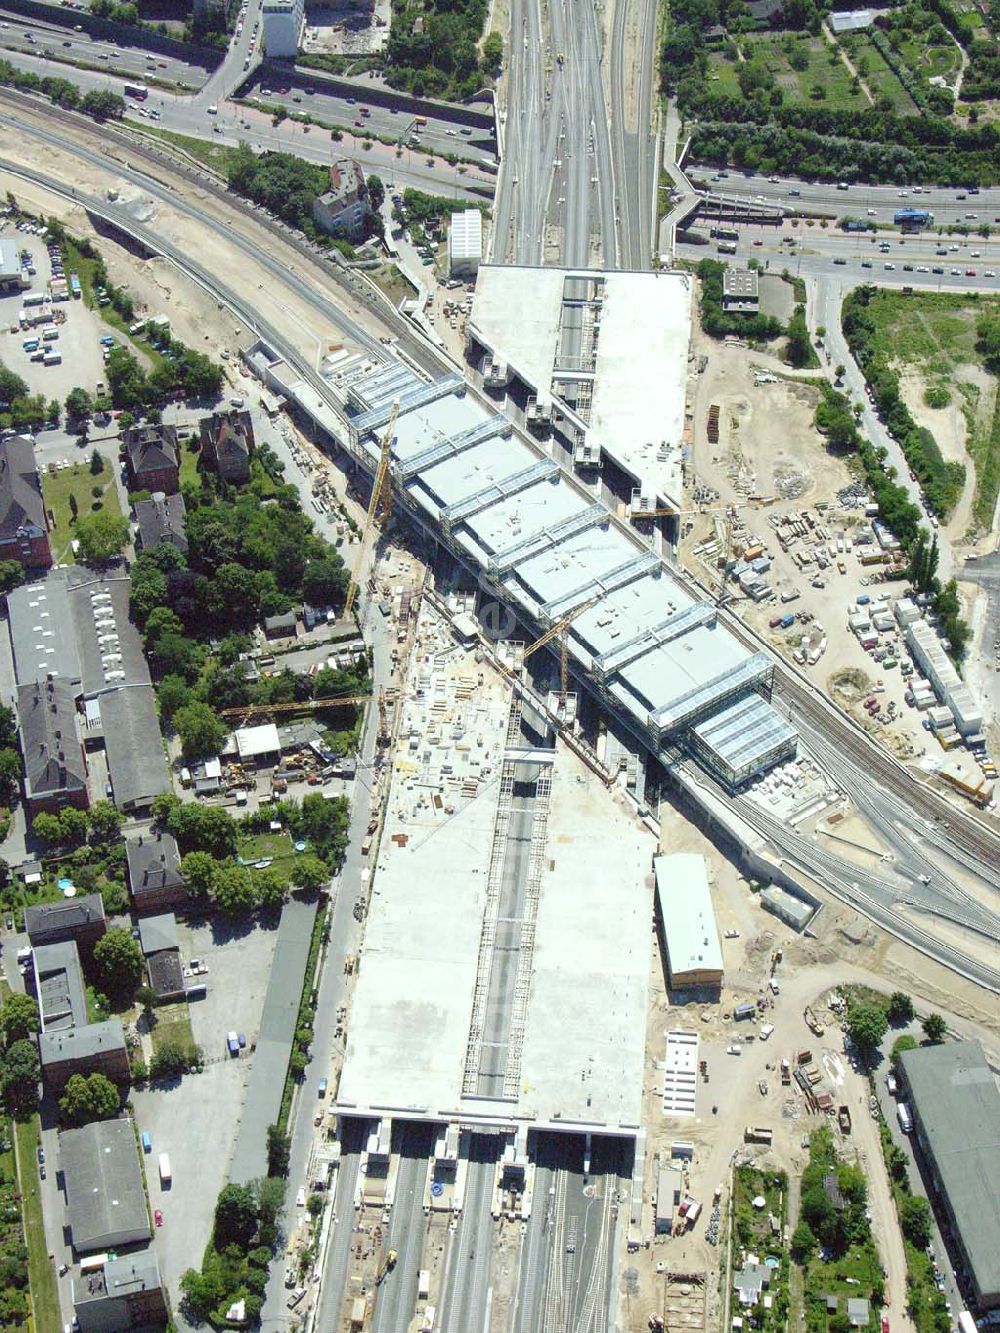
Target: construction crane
(379, 507)
(559, 631)
(246, 711)
(386, 1266)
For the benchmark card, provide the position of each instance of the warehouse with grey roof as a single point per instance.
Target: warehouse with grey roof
(105, 1198)
(956, 1115)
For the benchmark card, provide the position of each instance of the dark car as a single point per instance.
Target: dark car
(41, 1155)
(840, 261)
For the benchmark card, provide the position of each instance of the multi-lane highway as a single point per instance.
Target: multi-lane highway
(948, 204)
(576, 182)
(63, 42)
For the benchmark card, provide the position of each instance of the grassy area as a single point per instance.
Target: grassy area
(392, 281)
(77, 482)
(754, 1231)
(880, 79)
(173, 1024)
(258, 846)
(216, 156)
(190, 452)
(934, 334)
(320, 934)
(804, 68)
(848, 1264)
(41, 1274)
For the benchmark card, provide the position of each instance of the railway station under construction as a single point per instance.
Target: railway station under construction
(637, 633)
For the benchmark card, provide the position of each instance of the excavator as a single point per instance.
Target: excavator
(385, 1267)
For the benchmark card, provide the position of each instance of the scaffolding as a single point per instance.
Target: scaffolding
(501, 562)
(742, 740)
(490, 429)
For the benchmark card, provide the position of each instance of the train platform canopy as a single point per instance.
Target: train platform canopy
(609, 348)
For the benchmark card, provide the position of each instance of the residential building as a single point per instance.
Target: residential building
(161, 949)
(105, 1198)
(24, 524)
(10, 265)
(227, 442)
(59, 987)
(282, 21)
(74, 627)
(154, 872)
(81, 919)
(125, 1293)
(95, 1048)
(465, 243)
(858, 1312)
(153, 460)
(953, 1097)
(343, 209)
(68, 1043)
(686, 921)
(161, 519)
(284, 626)
(55, 765)
(751, 1281)
(134, 748)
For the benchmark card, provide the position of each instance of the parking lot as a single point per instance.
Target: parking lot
(195, 1120)
(79, 335)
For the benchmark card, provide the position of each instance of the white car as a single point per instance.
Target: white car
(873, 212)
(922, 268)
(988, 273)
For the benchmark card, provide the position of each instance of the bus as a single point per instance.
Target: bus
(137, 90)
(724, 234)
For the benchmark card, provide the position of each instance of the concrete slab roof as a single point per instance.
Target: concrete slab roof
(582, 1052)
(532, 511)
(585, 1036)
(639, 362)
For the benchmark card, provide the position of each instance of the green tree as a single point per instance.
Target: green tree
(93, 1097)
(102, 536)
(79, 405)
(915, 1220)
(118, 962)
(198, 869)
(73, 825)
(803, 1244)
(11, 576)
(201, 731)
(279, 1151)
(233, 890)
(105, 821)
(309, 873)
(901, 1044)
(235, 1216)
(272, 887)
(324, 581)
(10, 775)
(867, 1025)
(18, 1017)
(19, 1076)
(96, 464)
(47, 829)
(492, 54)
(935, 1029)
(798, 351)
(173, 693)
(900, 1009)
(170, 1059)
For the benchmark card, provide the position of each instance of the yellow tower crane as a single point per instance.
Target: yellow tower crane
(559, 631)
(379, 508)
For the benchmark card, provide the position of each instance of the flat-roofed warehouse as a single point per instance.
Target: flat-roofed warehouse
(105, 1198)
(955, 1103)
(686, 919)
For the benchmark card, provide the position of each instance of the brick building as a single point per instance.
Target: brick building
(24, 524)
(153, 460)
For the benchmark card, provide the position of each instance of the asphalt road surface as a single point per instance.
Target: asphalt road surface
(31, 36)
(438, 135)
(941, 200)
